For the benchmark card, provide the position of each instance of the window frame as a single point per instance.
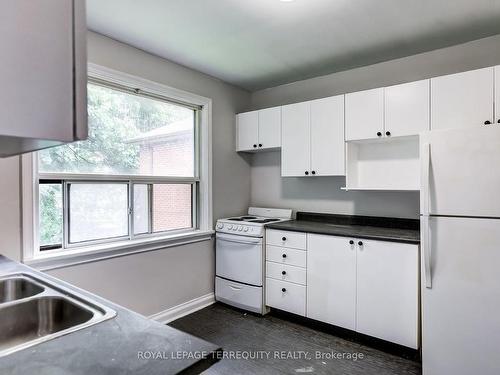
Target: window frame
(201, 184)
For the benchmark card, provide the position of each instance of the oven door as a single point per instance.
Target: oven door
(239, 258)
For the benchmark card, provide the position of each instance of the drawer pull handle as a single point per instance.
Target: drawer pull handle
(283, 290)
(284, 255)
(283, 238)
(283, 272)
(360, 243)
(351, 242)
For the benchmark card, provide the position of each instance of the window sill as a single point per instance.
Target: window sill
(65, 258)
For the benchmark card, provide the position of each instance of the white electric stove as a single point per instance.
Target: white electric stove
(240, 257)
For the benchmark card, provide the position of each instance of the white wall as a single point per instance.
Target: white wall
(10, 209)
(151, 282)
(473, 55)
(148, 282)
(323, 194)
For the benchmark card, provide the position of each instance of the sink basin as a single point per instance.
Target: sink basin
(34, 310)
(37, 318)
(17, 288)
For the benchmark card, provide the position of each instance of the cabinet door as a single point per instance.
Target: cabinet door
(270, 128)
(36, 69)
(497, 94)
(247, 131)
(387, 291)
(407, 108)
(331, 280)
(364, 114)
(462, 100)
(327, 136)
(295, 139)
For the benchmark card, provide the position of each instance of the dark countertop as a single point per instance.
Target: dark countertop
(368, 227)
(109, 347)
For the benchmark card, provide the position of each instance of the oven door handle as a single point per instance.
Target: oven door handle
(238, 239)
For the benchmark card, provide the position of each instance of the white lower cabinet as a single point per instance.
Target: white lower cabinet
(286, 296)
(387, 291)
(363, 285)
(331, 280)
(286, 276)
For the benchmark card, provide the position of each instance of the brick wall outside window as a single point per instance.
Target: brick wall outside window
(172, 156)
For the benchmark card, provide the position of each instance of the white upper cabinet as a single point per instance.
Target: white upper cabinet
(364, 114)
(387, 291)
(247, 131)
(270, 128)
(313, 138)
(327, 137)
(258, 130)
(43, 71)
(462, 100)
(331, 280)
(407, 109)
(497, 95)
(295, 139)
(401, 110)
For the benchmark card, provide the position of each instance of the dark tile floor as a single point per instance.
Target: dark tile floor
(239, 332)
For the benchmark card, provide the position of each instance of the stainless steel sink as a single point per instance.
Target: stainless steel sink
(27, 321)
(34, 310)
(17, 288)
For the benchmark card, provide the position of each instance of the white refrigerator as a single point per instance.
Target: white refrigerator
(460, 247)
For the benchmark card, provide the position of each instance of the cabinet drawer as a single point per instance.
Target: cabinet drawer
(243, 296)
(286, 296)
(284, 255)
(296, 240)
(285, 272)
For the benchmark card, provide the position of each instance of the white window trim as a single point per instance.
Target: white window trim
(57, 259)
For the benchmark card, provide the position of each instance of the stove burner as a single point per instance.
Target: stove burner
(242, 218)
(264, 220)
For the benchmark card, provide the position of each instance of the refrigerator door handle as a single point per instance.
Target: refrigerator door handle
(426, 251)
(424, 224)
(425, 178)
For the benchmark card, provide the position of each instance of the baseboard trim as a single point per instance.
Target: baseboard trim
(186, 308)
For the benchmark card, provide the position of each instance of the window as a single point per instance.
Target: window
(139, 174)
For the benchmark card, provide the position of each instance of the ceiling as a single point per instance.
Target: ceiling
(255, 44)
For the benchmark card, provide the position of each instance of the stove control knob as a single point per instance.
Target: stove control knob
(245, 229)
(235, 228)
(240, 228)
(230, 227)
(220, 225)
